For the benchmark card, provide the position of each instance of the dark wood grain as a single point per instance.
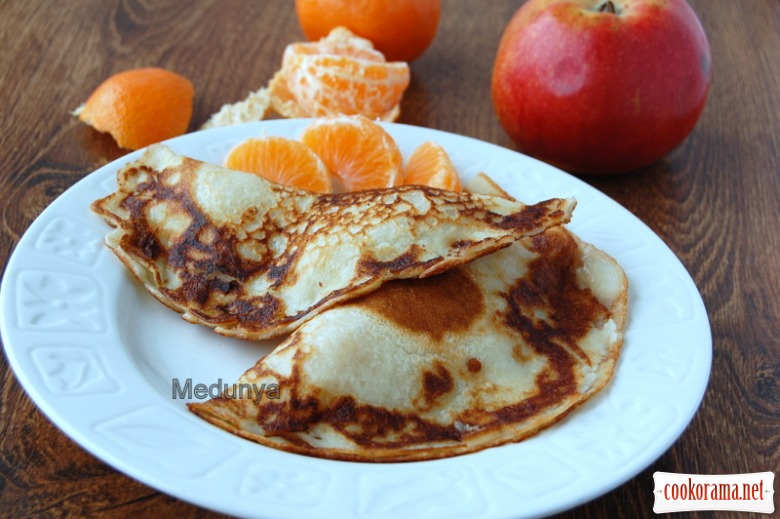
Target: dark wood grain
(714, 201)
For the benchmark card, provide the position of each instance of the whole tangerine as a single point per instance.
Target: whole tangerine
(400, 29)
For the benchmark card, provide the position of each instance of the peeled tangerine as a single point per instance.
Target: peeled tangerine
(341, 74)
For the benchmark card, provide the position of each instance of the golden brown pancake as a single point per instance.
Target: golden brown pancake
(254, 259)
(485, 354)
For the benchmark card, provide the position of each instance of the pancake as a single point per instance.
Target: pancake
(485, 354)
(254, 259)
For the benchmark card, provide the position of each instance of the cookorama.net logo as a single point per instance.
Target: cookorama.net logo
(735, 492)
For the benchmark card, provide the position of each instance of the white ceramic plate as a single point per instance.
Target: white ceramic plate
(99, 356)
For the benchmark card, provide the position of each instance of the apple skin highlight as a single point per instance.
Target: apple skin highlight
(599, 92)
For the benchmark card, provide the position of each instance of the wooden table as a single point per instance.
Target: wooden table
(714, 201)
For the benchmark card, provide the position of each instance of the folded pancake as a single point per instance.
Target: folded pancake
(254, 259)
(482, 355)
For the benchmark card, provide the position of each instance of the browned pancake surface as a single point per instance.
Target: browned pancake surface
(485, 354)
(254, 259)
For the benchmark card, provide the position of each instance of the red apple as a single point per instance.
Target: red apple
(601, 86)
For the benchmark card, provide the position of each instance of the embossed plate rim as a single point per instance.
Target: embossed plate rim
(600, 446)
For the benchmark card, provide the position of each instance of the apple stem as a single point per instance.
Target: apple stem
(607, 7)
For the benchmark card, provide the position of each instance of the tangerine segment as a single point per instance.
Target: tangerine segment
(283, 101)
(280, 160)
(356, 150)
(140, 107)
(429, 165)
